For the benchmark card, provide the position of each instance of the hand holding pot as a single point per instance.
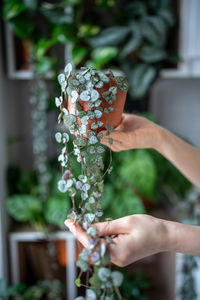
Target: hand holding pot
(133, 132)
(139, 236)
(138, 132)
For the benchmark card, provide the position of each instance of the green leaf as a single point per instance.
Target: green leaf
(42, 46)
(140, 79)
(154, 30)
(56, 210)
(44, 65)
(167, 16)
(159, 4)
(103, 55)
(152, 54)
(71, 2)
(82, 265)
(78, 54)
(57, 16)
(24, 208)
(15, 289)
(13, 8)
(86, 30)
(117, 278)
(134, 40)
(31, 4)
(64, 33)
(95, 281)
(22, 27)
(136, 9)
(77, 282)
(111, 36)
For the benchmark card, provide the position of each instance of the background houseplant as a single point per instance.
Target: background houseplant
(138, 45)
(50, 290)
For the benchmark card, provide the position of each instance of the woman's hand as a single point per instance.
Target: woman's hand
(138, 236)
(133, 132)
(138, 132)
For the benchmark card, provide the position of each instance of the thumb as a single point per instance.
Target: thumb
(78, 232)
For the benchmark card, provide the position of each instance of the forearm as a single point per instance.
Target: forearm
(182, 238)
(182, 155)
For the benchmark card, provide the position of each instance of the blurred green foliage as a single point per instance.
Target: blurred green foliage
(49, 290)
(24, 205)
(131, 35)
(135, 287)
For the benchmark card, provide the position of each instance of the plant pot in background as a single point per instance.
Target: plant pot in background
(62, 253)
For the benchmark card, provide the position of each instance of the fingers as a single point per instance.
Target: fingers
(116, 137)
(117, 226)
(78, 232)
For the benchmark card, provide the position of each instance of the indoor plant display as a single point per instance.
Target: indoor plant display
(88, 104)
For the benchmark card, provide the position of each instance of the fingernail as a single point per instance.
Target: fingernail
(69, 223)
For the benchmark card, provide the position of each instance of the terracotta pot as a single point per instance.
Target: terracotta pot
(62, 253)
(114, 118)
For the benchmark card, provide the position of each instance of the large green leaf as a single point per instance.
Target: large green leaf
(22, 26)
(42, 46)
(31, 4)
(103, 55)
(136, 9)
(44, 65)
(56, 210)
(167, 16)
(12, 8)
(140, 79)
(151, 54)
(57, 16)
(154, 30)
(78, 54)
(111, 36)
(159, 4)
(133, 41)
(24, 208)
(64, 33)
(138, 169)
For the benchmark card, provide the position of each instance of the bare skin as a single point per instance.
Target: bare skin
(139, 236)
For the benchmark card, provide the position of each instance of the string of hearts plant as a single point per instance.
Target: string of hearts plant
(90, 101)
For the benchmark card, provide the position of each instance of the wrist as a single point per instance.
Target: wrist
(170, 241)
(163, 141)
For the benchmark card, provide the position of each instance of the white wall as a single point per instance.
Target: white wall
(176, 104)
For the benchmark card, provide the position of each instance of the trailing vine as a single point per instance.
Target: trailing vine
(85, 103)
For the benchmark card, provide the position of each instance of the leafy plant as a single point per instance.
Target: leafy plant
(130, 35)
(135, 286)
(50, 290)
(28, 208)
(139, 41)
(86, 101)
